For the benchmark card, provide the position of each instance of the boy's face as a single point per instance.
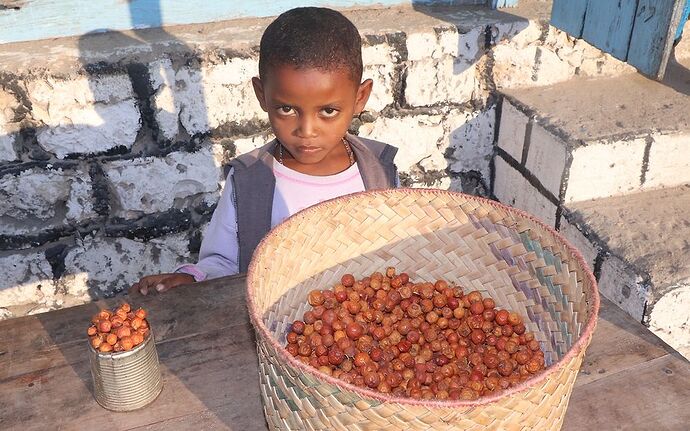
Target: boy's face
(310, 111)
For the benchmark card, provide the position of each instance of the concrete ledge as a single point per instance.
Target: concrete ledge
(643, 256)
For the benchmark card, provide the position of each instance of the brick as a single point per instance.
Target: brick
(416, 136)
(511, 137)
(379, 66)
(166, 104)
(27, 278)
(471, 141)
(511, 188)
(37, 199)
(152, 184)
(601, 169)
(204, 98)
(84, 115)
(669, 161)
(619, 283)
(113, 265)
(446, 80)
(546, 158)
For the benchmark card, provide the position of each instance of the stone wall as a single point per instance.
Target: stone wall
(111, 145)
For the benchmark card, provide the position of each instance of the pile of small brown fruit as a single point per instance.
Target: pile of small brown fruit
(420, 340)
(118, 331)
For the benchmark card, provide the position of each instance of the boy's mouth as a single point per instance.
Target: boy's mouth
(308, 149)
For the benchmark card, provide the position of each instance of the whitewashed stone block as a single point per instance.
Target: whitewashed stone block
(152, 184)
(546, 158)
(602, 169)
(511, 188)
(84, 115)
(511, 136)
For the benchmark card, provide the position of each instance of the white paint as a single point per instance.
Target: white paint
(619, 283)
(546, 158)
(245, 145)
(670, 319)
(431, 82)
(152, 184)
(84, 115)
(379, 66)
(34, 197)
(511, 188)
(511, 136)
(416, 136)
(471, 138)
(669, 161)
(27, 278)
(603, 169)
(513, 67)
(114, 264)
(166, 105)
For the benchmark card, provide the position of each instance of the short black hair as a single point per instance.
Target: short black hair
(312, 37)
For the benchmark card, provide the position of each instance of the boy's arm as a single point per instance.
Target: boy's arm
(218, 255)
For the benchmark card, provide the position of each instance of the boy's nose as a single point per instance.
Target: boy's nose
(307, 127)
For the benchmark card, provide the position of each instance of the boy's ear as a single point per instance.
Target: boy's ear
(363, 93)
(259, 92)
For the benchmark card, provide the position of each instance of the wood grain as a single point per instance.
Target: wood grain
(653, 34)
(209, 365)
(654, 395)
(608, 25)
(569, 16)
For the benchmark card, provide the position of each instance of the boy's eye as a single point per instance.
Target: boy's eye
(285, 110)
(329, 112)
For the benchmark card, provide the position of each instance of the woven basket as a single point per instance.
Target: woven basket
(505, 253)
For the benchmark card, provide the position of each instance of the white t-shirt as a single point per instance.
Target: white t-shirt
(294, 191)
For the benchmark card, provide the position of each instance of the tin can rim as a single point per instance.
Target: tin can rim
(123, 354)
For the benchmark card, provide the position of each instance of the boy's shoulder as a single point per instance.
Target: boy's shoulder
(379, 149)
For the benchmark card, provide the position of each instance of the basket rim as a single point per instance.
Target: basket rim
(578, 346)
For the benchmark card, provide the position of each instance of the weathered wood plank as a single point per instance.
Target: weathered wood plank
(608, 25)
(569, 16)
(199, 373)
(495, 4)
(653, 35)
(619, 343)
(38, 342)
(652, 396)
(211, 378)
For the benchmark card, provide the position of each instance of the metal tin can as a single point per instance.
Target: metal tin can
(125, 381)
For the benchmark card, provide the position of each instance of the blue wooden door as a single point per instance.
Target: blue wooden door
(640, 32)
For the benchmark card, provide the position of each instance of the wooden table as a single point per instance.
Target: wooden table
(630, 379)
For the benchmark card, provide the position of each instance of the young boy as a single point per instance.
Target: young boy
(310, 71)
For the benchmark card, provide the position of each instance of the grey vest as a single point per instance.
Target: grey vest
(254, 184)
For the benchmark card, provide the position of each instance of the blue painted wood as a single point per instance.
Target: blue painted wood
(569, 16)
(42, 19)
(653, 35)
(495, 4)
(683, 19)
(608, 25)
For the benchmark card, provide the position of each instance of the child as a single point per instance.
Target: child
(310, 70)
